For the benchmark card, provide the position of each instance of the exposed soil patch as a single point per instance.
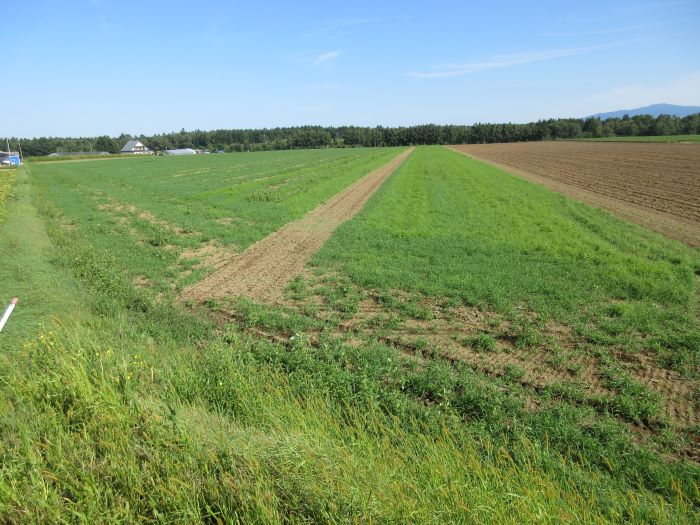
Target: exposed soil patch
(450, 333)
(264, 269)
(141, 281)
(123, 210)
(679, 394)
(493, 344)
(654, 185)
(209, 255)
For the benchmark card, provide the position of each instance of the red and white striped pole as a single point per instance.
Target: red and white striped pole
(7, 313)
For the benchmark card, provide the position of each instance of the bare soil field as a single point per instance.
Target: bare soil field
(654, 185)
(265, 268)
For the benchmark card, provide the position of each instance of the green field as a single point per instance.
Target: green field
(456, 228)
(147, 212)
(466, 349)
(647, 138)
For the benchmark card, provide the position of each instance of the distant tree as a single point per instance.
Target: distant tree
(645, 124)
(353, 136)
(664, 125)
(593, 127)
(108, 144)
(690, 124)
(626, 127)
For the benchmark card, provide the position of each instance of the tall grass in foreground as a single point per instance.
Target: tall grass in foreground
(92, 434)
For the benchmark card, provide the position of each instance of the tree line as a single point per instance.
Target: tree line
(305, 137)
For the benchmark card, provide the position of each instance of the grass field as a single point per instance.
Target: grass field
(80, 158)
(469, 348)
(649, 138)
(160, 217)
(453, 228)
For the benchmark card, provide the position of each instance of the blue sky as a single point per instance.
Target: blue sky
(102, 67)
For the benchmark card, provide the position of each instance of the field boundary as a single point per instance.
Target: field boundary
(263, 270)
(675, 227)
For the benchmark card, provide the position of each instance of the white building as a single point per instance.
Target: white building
(136, 147)
(181, 151)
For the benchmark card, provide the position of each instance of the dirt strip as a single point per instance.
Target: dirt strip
(653, 185)
(264, 269)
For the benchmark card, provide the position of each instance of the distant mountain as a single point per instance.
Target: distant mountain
(654, 110)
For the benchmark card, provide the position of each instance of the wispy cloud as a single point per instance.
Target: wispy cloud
(601, 31)
(503, 61)
(324, 58)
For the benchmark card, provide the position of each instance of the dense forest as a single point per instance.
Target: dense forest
(351, 136)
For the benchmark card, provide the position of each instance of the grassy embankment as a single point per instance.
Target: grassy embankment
(126, 408)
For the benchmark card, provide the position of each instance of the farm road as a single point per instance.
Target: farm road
(263, 270)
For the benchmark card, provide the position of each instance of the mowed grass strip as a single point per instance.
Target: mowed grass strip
(26, 271)
(447, 225)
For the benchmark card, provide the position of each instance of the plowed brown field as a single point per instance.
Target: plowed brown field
(654, 185)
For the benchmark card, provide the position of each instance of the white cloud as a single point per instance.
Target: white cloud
(504, 61)
(326, 57)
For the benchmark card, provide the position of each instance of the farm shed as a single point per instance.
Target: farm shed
(10, 158)
(136, 147)
(181, 151)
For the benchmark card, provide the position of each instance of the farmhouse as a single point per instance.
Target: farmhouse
(136, 147)
(9, 158)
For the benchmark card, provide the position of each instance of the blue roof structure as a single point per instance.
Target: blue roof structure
(10, 157)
